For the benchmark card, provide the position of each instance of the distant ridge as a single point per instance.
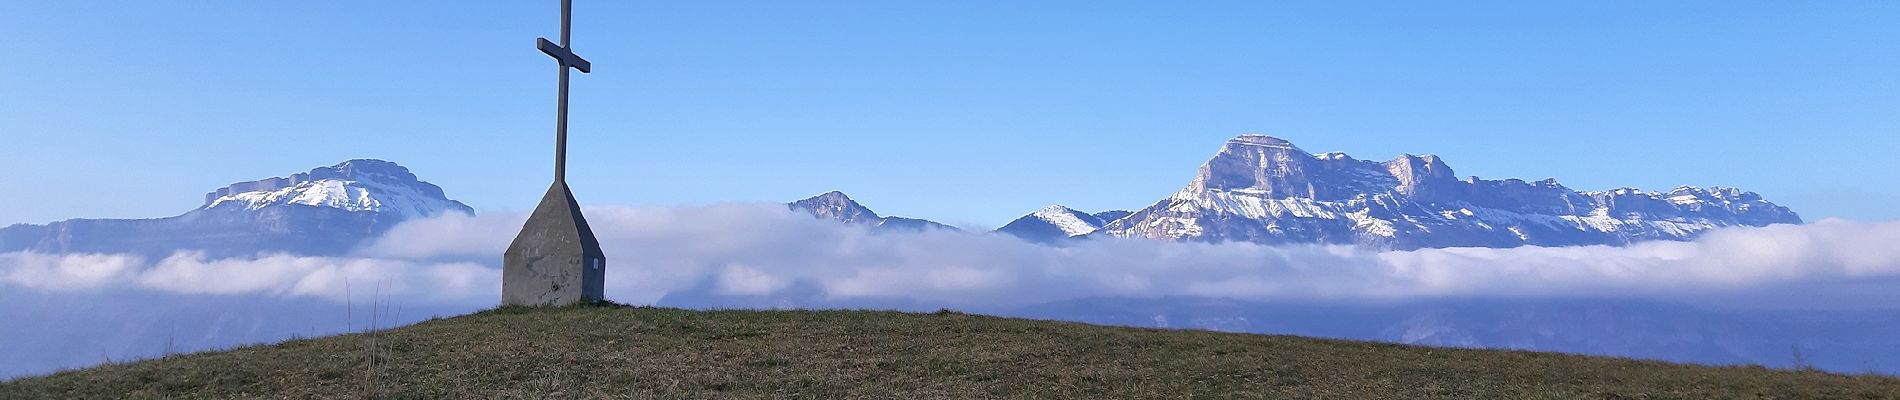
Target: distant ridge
(1256, 188)
(324, 211)
(835, 205)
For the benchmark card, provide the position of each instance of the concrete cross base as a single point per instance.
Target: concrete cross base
(555, 260)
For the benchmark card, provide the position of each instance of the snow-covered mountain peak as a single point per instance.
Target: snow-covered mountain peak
(1057, 222)
(1070, 221)
(1055, 209)
(324, 211)
(362, 185)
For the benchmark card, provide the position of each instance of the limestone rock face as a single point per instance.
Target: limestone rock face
(1264, 189)
(555, 260)
(1268, 166)
(1423, 177)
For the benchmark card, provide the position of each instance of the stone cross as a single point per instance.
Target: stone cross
(555, 260)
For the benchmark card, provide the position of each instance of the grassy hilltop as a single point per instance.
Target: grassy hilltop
(613, 352)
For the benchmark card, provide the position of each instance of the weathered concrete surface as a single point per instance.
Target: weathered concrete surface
(555, 260)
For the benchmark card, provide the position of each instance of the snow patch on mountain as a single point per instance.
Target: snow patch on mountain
(1070, 221)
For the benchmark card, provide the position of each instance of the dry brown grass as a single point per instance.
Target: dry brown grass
(616, 352)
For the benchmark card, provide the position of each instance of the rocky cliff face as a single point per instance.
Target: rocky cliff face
(1266, 190)
(835, 205)
(325, 211)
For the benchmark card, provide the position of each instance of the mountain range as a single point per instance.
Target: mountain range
(1264, 189)
(1255, 188)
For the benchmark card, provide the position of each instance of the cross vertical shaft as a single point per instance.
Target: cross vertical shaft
(563, 54)
(560, 124)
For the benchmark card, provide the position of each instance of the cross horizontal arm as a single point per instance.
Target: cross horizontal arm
(562, 54)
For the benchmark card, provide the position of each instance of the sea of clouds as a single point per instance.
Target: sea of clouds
(762, 249)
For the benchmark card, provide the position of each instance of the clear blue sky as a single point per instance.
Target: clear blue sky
(964, 112)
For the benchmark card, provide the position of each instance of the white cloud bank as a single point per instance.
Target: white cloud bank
(761, 249)
(333, 278)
